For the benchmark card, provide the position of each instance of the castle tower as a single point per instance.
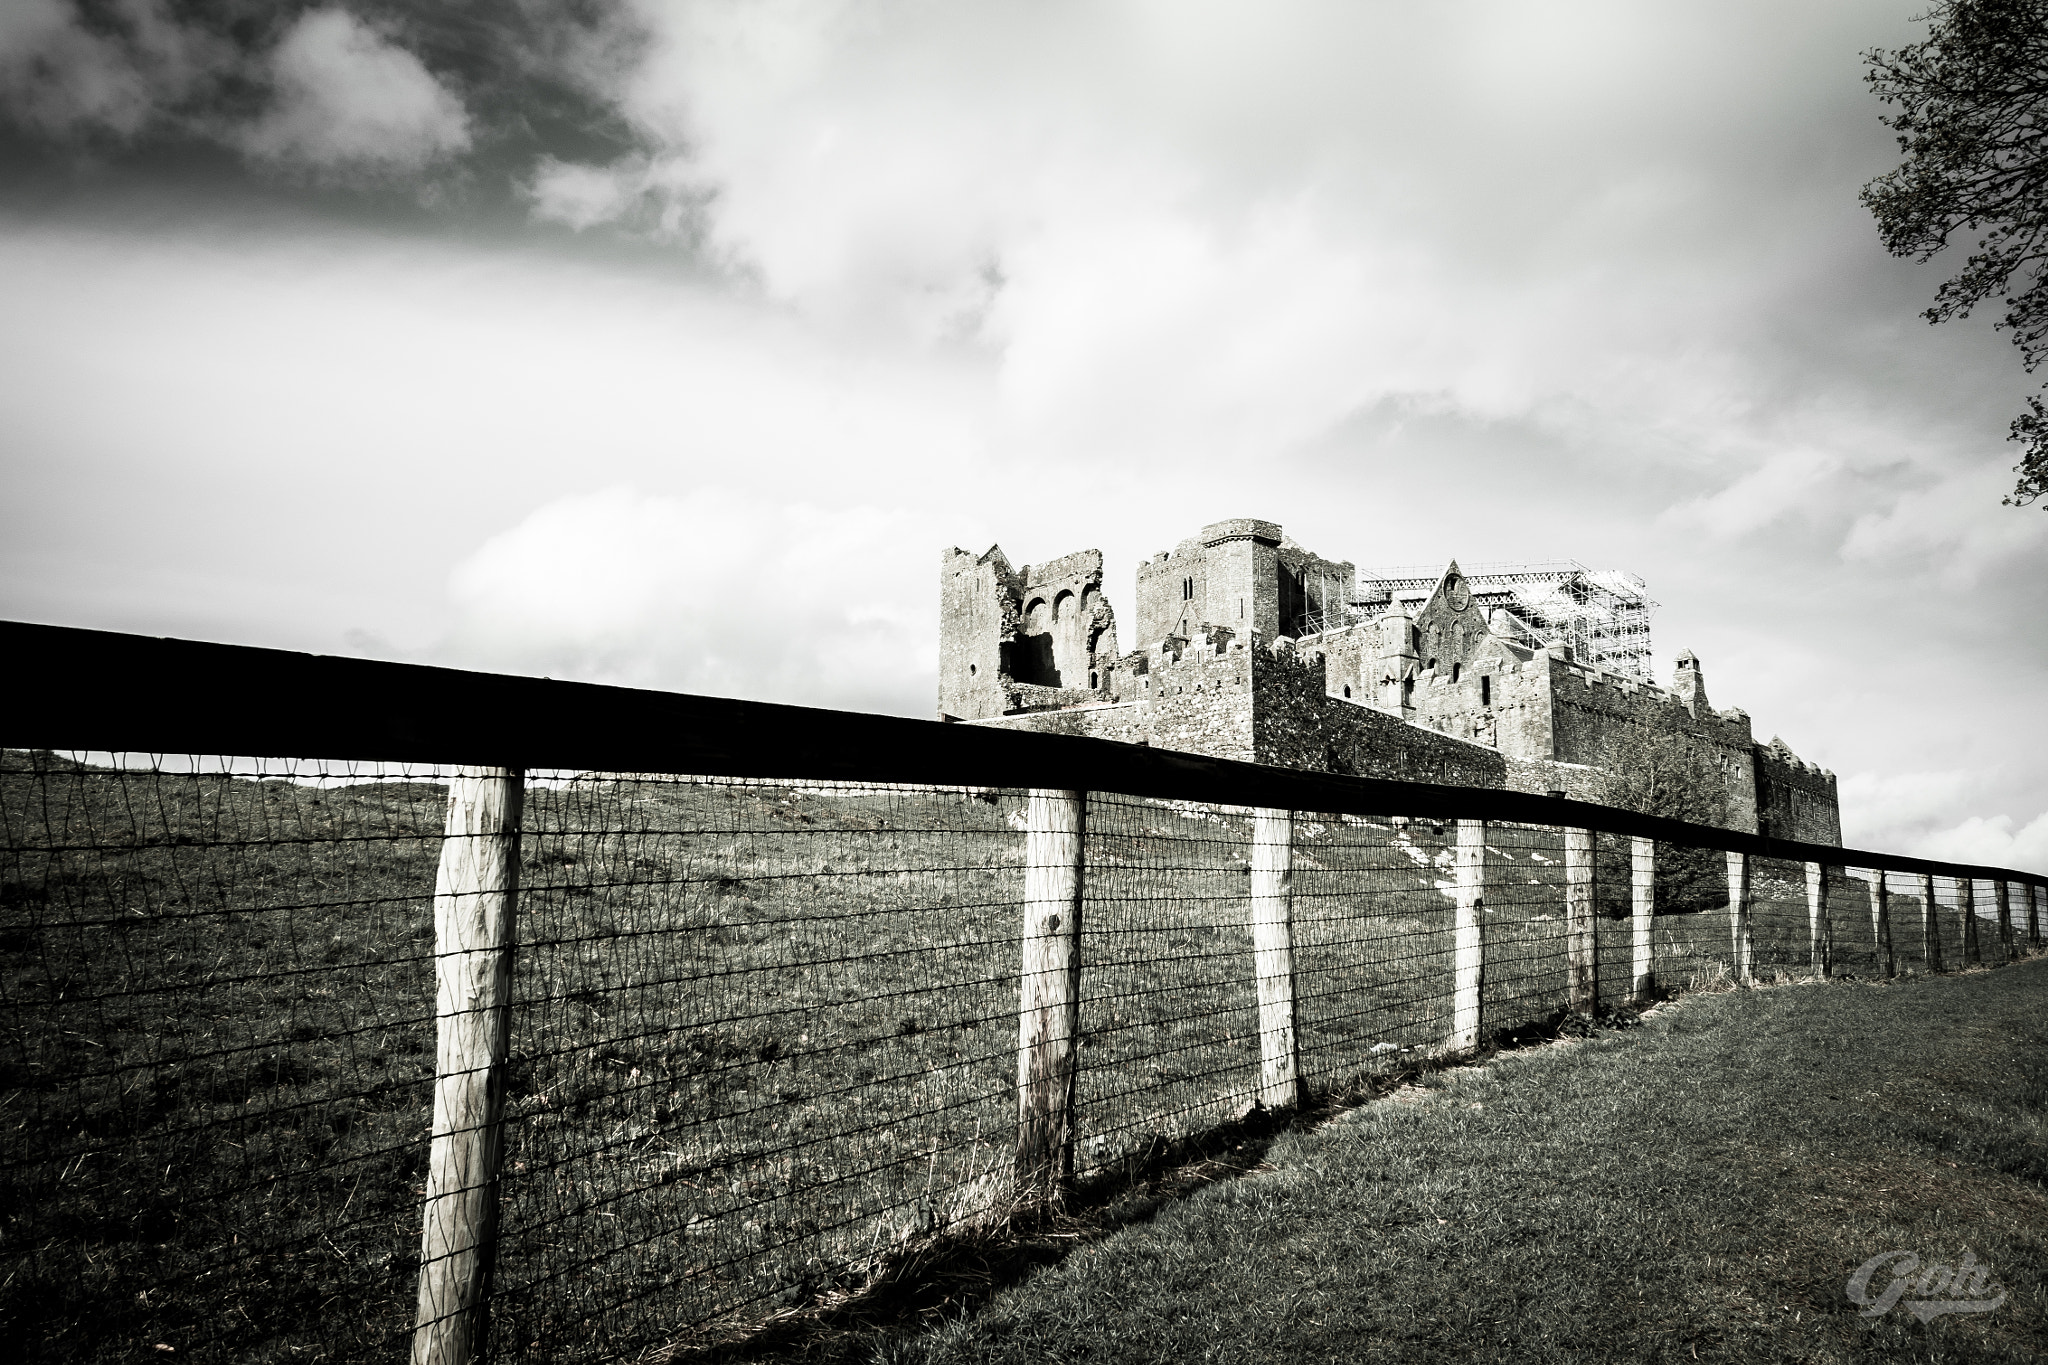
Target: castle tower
(1228, 576)
(1396, 660)
(1689, 685)
(977, 617)
(1243, 582)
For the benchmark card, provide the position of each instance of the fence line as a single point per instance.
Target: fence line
(705, 1046)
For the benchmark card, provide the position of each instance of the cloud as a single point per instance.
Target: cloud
(348, 99)
(1890, 809)
(714, 592)
(1943, 525)
(1989, 841)
(1226, 229)
(1915, 813)
(66, 78)
(1787, 482)
(657, 200)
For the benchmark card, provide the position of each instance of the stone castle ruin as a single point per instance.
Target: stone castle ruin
(1254, 648)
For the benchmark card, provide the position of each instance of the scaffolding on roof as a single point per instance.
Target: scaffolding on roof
(1603, 615)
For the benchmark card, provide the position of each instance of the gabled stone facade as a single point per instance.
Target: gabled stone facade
(1249, 652)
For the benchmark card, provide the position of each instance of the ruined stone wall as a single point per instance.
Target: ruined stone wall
(1796, 799)
(1349, 658)
(1524, 722)
(1493, 699)
(1544, 777)
(1308, 583)
(1067, 632)
(1202, 700)
(1163, 587)
(1298, 724)
(1035, 649)
(1127, 722)
(1194, 697)
(1594, 713)
(1450, 627)
(1227, 576)
(1244, 585)
(977, 614)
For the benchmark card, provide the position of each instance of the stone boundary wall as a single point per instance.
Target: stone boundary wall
(1542, 776)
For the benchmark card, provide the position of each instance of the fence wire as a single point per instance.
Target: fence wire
(764, 1036)
(217, 988)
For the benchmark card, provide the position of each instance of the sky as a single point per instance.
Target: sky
(668, 343)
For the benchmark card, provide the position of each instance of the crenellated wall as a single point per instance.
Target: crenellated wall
(1795, 799)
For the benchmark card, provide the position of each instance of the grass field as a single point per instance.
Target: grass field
(764, 1036)
(1700, 1188)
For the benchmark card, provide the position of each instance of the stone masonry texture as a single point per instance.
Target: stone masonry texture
(1247, 650)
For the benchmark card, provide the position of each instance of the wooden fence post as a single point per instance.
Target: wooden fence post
(1642, 889)
(1820, 929)
(1469, 937)
(2004, 919)
(476, 894)
(1582, 951)
(1743, 945)
(1881, 924)
(1930, 924)
(1048, 991)
(1273, 955)
(1966, 904)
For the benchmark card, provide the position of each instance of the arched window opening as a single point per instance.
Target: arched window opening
(1456, 671)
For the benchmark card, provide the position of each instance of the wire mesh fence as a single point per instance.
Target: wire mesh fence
(218, 994)
(762, 1036)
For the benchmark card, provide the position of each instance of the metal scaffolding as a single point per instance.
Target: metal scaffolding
(1603, 615)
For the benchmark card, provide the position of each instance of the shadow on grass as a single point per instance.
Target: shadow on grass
(947, 1277)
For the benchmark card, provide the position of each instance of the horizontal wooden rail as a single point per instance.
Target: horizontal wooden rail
(101, 690)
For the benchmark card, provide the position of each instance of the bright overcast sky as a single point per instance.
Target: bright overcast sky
(670, 346)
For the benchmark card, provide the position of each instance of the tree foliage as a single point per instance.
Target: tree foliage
(1659, 770)
(1971, 114)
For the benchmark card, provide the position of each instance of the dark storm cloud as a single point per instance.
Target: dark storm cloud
(455, 103)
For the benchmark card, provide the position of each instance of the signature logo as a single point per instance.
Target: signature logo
(1926, 1291)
